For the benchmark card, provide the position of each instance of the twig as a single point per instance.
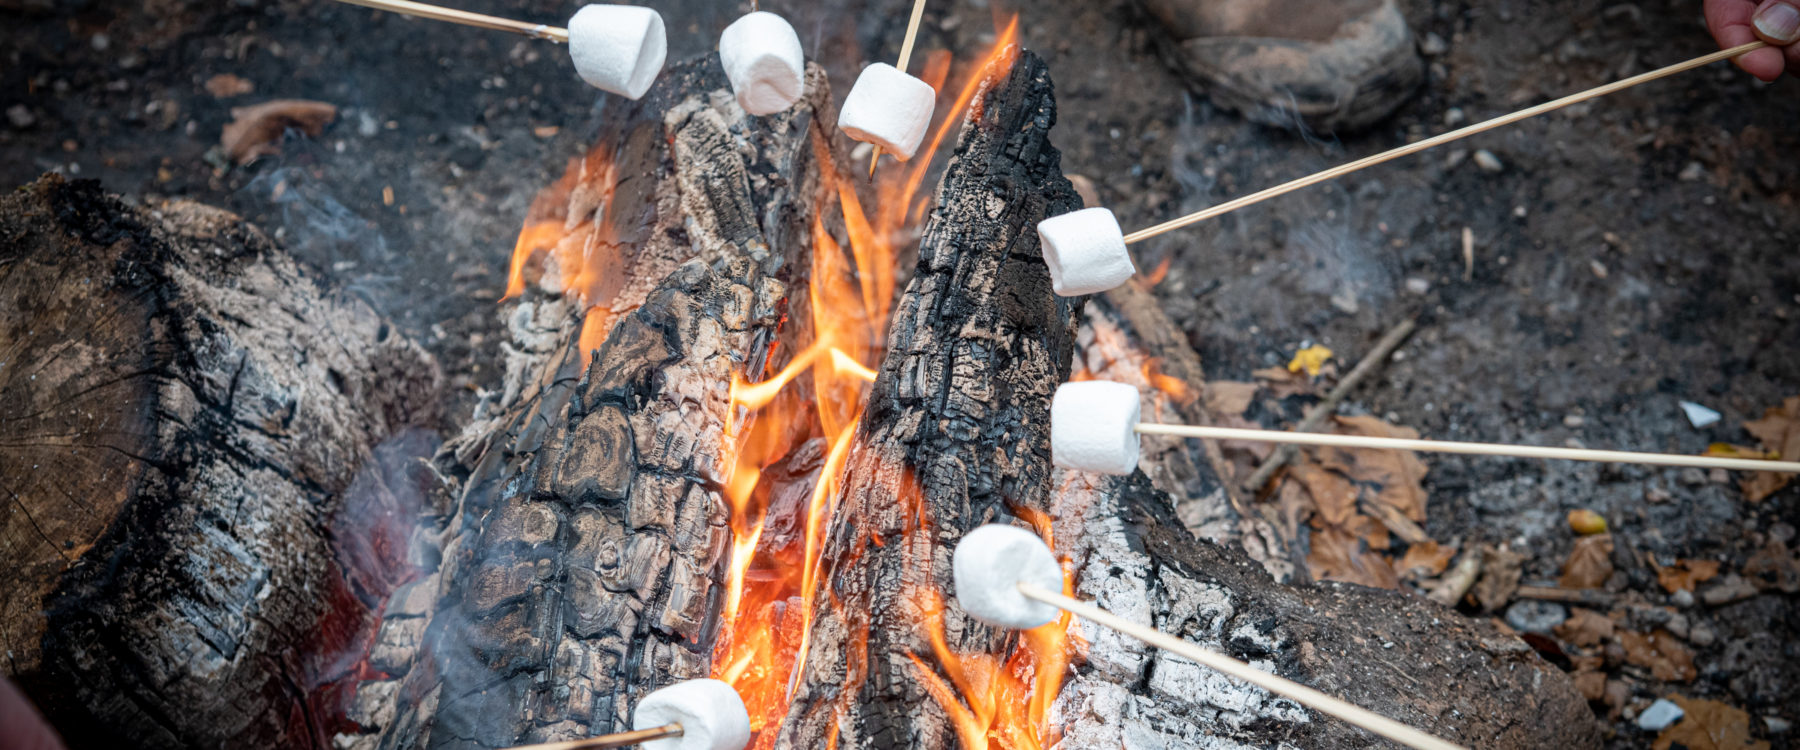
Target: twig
(1316, 416)
(1456, 584)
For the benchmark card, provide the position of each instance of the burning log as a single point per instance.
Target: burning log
(183, 416)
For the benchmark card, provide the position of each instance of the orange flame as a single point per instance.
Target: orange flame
(1169, 384)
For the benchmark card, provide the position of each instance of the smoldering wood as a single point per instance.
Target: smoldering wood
(977, 346)
(181, 413)
(581, 566)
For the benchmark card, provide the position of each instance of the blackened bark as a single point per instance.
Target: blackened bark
(181, 414)
(955, 420)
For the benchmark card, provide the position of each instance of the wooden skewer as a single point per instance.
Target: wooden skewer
(609, 741)
(906, 49)
(1339, 171)
(1477, 449)
(1282, 686)
(440, 13)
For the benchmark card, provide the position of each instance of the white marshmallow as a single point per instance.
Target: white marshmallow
(1085, 251)
(618, 48)
(990, 563)
(762, 57)
(1093, 426)
(888, 108)
(711, 715)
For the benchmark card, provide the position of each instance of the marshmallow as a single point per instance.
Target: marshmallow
(990, 563)
(888, 108)
(711, 715)
(762, 57)
(1093, 427)
(618, 48)
(1085, 251)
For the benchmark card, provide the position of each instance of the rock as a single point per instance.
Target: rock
(1702, 635)
(1433, 45)
(1454, 116)
(1691, 477)
(1699, 416)
(1659, 715)
(20, 116)
(1417, 285)
(1777, 725)
(1693, 172)
(1456, 158)
(1682, 598)
(1532, 616)
(1573, 420)
(1488, 161)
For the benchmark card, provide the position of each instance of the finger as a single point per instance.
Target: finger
(1731, 25)
(1777, 22)
(1793, 59)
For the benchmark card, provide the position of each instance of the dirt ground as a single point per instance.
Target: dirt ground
(1628, 254)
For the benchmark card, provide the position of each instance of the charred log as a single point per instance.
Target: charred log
(181, 413)
(580, 566)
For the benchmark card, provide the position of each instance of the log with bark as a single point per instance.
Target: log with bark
(182, 413)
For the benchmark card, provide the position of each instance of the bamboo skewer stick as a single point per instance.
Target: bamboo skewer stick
(440, 13)
(1454, 135)
(1476, 449)
(906, 50)
(609, 741)
(1281, 686)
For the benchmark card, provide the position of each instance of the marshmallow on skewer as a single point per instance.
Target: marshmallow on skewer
(888, 108)
(711, 715)
(990, 563)
(618, 48)
(762, 57)
(1093, 426)
(1085, 251)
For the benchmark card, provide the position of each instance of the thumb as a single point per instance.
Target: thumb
(1778, 22)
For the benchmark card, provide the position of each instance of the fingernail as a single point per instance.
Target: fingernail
(1780, 22)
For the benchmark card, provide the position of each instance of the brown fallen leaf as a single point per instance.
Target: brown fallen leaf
(1340, 556)
(1333, 496)
(256, 130)
(1589, 564)
(1499, 577)
(1708, 725)
(1774, 567)
(1684, 574)
(1282, 383)
(1592, 685)
(1426, 559)
(1229, 397)
(1779, 431)
(1585, 628)
(1399, 474)
(1662, 652)
(226, 85)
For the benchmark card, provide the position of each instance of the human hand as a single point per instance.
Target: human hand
(1735, 22)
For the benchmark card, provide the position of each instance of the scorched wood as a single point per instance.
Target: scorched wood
(181, 413)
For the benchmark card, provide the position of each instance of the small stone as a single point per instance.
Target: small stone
(1657, 495)
(1699, 416)
(20, 116)
(1598, 268)
(1417, 285)
(1454, 116)
(1682, 598)
(1533, 616)
(1702, 635)
(1573, 420)
(1693, 172)
(1691, 477)
(1782, 531)
(100, 42)
(1488, 161)
(1659, 715)
(1456, 158)
(1433, 45)
(1678, 623)
(1777, 725)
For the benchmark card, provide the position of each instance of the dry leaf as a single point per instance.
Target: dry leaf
(226, 85)
(1399, 474)
(1426, 559)
(256, 130)
(1310, 360)
(1592, 685)
(1779, 431)
(1728, 450)
(1340, 556)
(1585, 522)
(1589, 564)
(1773, 567)
(1708, 725)
(1662, 652)
(1585, 628)
(1499, 577)
(1229, 397)
(1333, 496)
(1684, 574)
